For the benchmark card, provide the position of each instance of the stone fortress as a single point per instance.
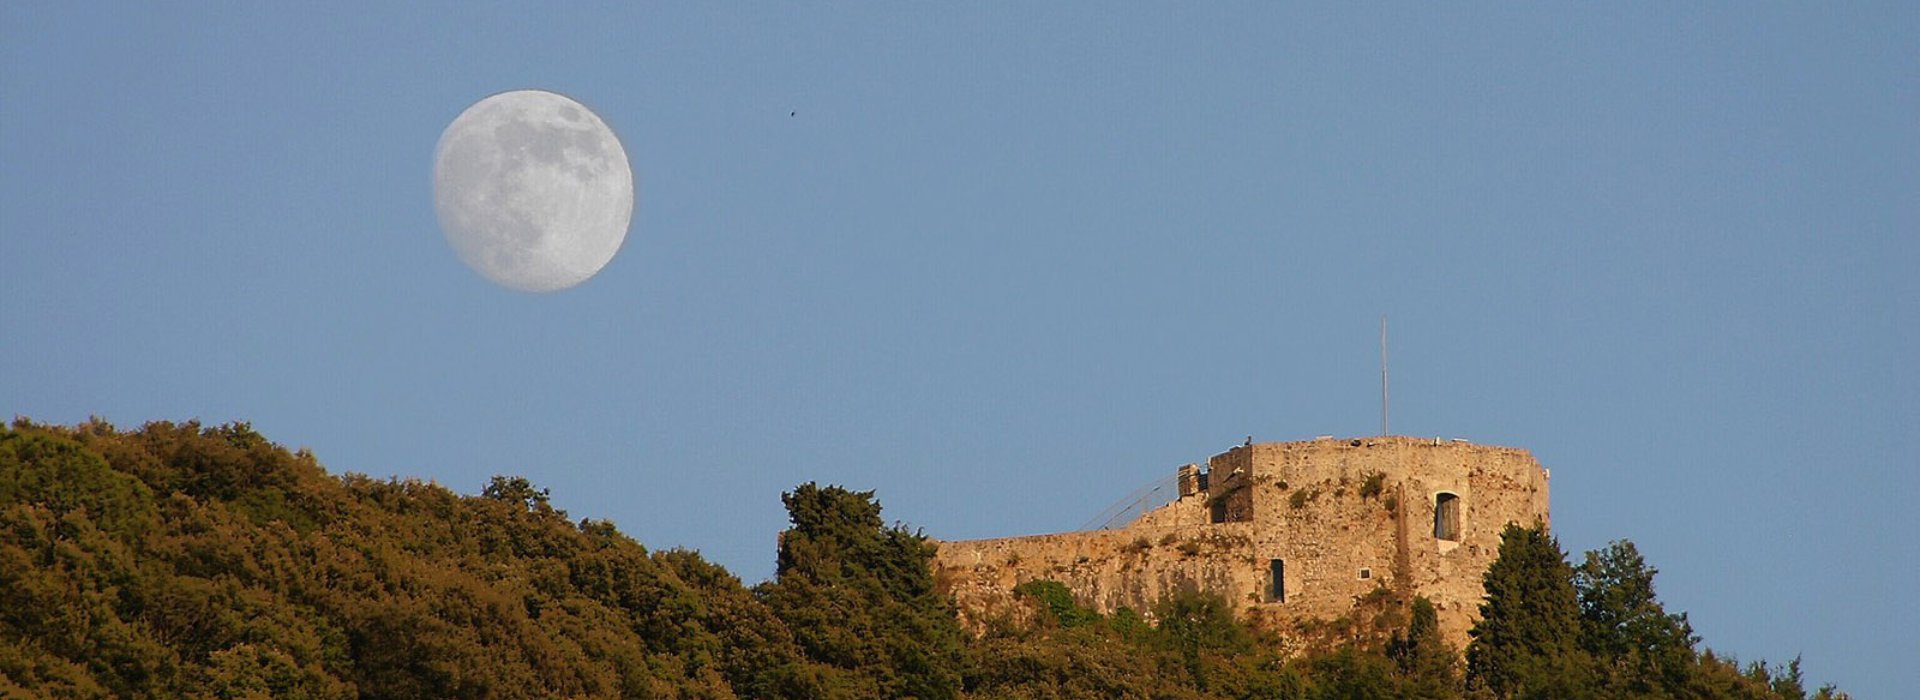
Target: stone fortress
(1288, 532)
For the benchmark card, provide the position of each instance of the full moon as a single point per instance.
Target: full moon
(533, 191)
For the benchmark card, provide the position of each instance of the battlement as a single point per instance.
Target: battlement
(1287, 530)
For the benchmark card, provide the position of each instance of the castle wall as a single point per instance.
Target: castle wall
(1340, 531)
(1106, 569)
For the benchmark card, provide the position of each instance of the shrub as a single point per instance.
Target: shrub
(1372, 485)
(1058, 601)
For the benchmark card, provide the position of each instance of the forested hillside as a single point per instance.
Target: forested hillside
(178, 560)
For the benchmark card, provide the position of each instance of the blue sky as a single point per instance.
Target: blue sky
(1006, 263)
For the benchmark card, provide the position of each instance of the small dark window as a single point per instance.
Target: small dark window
(1366, 574)
(1277, 581)
(1446, 517)
(1219, 510)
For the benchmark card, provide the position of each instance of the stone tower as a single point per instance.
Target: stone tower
(1288, 531)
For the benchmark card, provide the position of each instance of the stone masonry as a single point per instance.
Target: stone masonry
(1286, 531)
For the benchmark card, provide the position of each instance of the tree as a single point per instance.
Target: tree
(1349, 673)
(1424, 661)
(1197, 625)
(859, 597)
(1641, 648)
(517, 490)
(1526, 644)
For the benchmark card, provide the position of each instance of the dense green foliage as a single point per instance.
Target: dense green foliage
(176, 560)
(1550, 630)
(859, 598)
(1527, 642)
(184, 561)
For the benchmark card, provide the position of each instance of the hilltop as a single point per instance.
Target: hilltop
(181, 560)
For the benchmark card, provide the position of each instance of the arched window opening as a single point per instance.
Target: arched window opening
(1276, 580)
(1446, 517)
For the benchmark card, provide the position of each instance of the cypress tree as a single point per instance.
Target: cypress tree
(1526, 644)
(859, 597)
(1425, 663)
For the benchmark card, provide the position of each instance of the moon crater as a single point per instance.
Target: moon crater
(533, 190)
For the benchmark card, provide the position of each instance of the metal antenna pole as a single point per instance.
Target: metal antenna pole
(1383, 377)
